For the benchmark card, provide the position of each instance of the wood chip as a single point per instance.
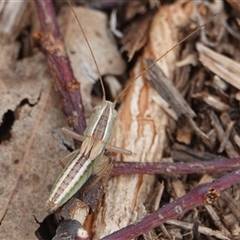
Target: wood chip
(224, 67)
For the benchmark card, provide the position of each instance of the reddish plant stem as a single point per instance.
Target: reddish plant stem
(199, 167)
(51, 43)
(199, 196)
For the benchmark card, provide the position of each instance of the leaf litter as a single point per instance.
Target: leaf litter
(30, 156)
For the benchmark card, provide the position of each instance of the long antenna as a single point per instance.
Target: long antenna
(90, 49)
(146, 69)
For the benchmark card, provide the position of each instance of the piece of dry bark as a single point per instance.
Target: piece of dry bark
(170, 94)
(226, 121)
(139, 128)
(201, 229)
(186, 154)
(135, 35)
(213, 101)
(184, 134)
(14, 17)
(220, 133)
(235, 6)
(221, 65)
(133, 8)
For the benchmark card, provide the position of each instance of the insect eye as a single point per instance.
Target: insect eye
(115, 114)
(96, 108)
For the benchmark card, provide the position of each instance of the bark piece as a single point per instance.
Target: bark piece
(13, 18)
(135, 36)
(224, 67)
(170, 94)
(213, 101)
(139, 128)
(202, 230)
(232, 153)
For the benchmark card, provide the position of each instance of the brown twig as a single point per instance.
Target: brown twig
(71, 229)
(199, 167)
(203, 194)
(51, 43)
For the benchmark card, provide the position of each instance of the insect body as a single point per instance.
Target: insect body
(88, 159)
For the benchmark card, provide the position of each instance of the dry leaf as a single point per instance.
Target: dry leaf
(29, 156)
(29, 162)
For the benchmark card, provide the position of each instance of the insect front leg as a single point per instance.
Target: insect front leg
(73, 134)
